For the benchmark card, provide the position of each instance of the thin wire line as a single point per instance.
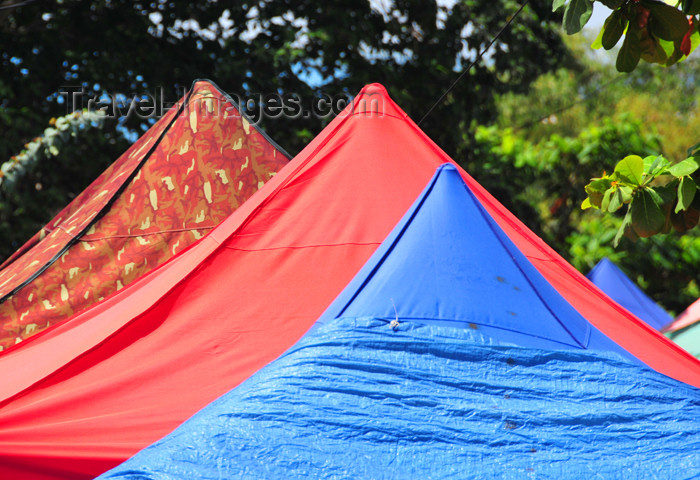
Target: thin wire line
(584, 99)
(15, 5)
(478, 57)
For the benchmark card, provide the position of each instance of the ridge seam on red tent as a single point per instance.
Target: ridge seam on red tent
(378, 114)
(320, 245)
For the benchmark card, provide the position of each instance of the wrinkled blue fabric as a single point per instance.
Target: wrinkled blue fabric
(609, 278)
(357, 399)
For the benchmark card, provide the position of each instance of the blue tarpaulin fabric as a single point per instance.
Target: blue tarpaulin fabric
(447, 356)
(356, 398)
(609, 278)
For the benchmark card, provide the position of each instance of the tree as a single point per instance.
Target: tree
(654, 31)
(306, 48)
(24, 197)
(658, 194)
(546, 145)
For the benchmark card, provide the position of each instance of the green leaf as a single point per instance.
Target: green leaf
(626, 192)
(598, 42)
(596, 189)
(654, 52)
(683, 168)
(557, 4)
(669, 47)
(630, 52)
(606, 198)
(695, 149)
(631, 169)
(586, 204)
(598, 185)
(685, 220)
(625, 223)
(615, 201)
(654, 165)
(650, 163)
(686, 193)
(668, 194)
(613, 29)
(656, 196)
(576, 15)
(665, 21)
(647, 216)
(695, 39)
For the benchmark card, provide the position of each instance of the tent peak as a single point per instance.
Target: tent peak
(464, 272)
(374, 101)
(374, 88)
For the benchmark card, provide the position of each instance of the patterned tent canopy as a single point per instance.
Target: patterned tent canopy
(188, 172)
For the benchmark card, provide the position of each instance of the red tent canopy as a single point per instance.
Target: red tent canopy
(195, 166)
(88, 393)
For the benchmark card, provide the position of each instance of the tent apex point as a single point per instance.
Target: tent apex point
(374, 101)
(374, 89)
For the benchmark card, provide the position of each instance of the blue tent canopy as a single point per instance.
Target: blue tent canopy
(449, 263)
(610, 279)
(419, 369)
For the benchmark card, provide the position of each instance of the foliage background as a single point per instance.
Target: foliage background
(533, 122)
(302, 47)
(600, 117)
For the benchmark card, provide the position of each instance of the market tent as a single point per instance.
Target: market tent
(160, 349)
(610, 279)
(687, 318)
(685, 330)
(188, 172)
(410, 374)
(688, 338)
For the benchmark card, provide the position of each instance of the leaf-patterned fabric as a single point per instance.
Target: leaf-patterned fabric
(194, 167)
